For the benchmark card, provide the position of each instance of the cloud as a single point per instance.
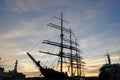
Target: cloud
(20, 38)
(87, 19)
(32, 74)
(24, 6)
(91, 41)
(94, 72)
(95, 47)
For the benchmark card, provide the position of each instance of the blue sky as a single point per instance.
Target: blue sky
(23, 23)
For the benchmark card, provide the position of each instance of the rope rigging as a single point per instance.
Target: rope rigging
(34, 46)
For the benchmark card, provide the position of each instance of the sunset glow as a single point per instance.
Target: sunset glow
(23, 27)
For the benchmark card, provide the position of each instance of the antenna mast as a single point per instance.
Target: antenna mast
(108, 57)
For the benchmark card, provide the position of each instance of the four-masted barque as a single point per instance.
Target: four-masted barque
(73, 57)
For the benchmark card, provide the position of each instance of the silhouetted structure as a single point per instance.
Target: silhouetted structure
(74, 60)
(11, 75)
(109, 71)
(91, 78)
(48, 73)
(15, 75)
(35, 78)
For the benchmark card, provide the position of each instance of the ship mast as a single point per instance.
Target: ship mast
(61, 45)
(72, 57)
(71, 61)
(61, 52)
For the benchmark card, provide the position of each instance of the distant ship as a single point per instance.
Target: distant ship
(11, 75)
(73, 56)
(4, 75)
(110, 71)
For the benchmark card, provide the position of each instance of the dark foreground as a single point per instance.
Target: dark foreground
(41, 78)
(91, 78)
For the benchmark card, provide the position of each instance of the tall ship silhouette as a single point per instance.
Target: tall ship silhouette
(71, 58)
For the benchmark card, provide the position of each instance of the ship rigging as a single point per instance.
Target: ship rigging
(73, 56)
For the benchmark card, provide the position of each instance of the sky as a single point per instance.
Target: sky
(23, 26)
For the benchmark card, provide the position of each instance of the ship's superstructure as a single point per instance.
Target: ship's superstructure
(109, 71)
(4, 75)
(15, 75)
